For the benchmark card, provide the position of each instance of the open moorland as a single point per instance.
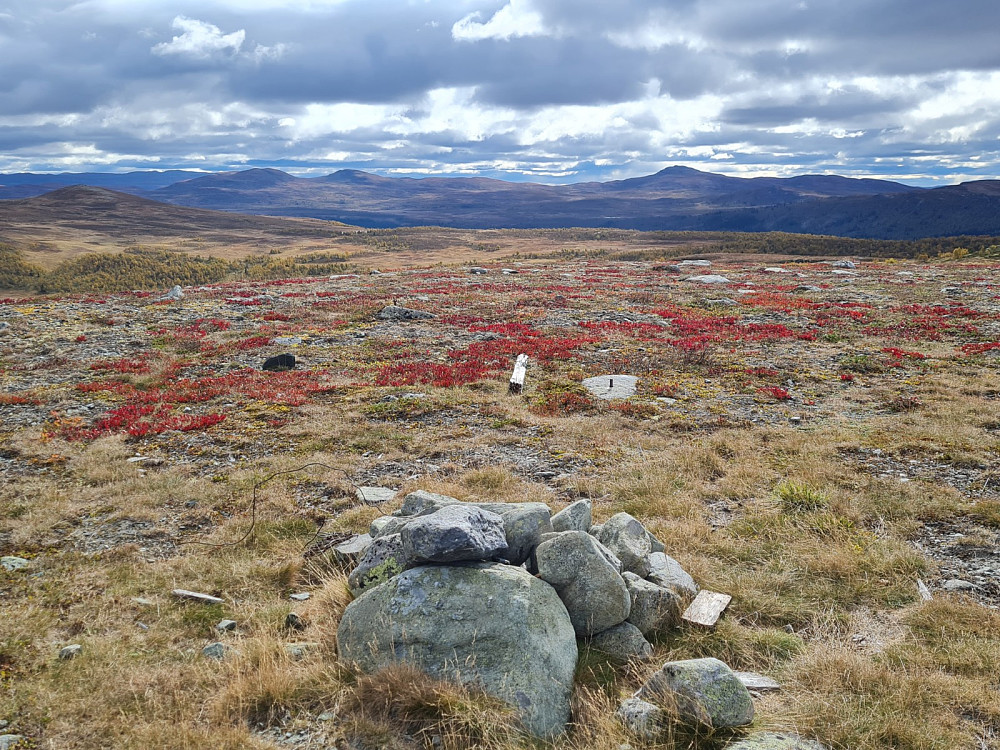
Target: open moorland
(810, 439)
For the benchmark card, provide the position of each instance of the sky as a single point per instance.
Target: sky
(549, 91)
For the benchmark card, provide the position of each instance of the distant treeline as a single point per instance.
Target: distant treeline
(804, 244)
(141, 268)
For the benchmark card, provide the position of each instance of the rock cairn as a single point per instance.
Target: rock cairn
(497, 594)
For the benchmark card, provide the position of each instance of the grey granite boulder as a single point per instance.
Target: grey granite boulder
(665, 571)
(623, 642)
(455, 533)
(654, 609)
(583, 572)
(776, 741)
(574, 517)
(628, 539)
(641, 718)
(422, 502)
(524, 524)
(702, 691)
(485, 623)
(347, 554)
(383, 559)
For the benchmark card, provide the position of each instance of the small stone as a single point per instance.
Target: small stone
(197, 597)
(294, 622)
(758, 682)
(622, 643)
(957, 584)
(226, 626)
(9, 741)
(641, 718)
(215, 651)
(11, 563)
(327, 716)
(300, 597)
(395, 312)
(70, 652)
(143, 602)
(299, 651)
(708, 278)
(375, 495)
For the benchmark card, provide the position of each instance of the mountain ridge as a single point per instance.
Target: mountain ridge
(675, 198)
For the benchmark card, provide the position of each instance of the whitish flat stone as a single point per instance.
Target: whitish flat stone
(609, 387)
(70, 652)
(8, 741)
(708, 278)
(695, 263)
(301, 597)
(12, 564)
(957, 584)
(375, 495)
(776, 741)
(776, 269)
(197, 597)
(760, 683)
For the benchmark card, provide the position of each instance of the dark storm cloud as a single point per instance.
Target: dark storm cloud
(525, 85)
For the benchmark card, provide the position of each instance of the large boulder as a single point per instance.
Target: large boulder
(665, 571)
(455, 533)
(382, 559)
(490, 624)
(654, 609)
(628, 539)
(702, 691)
(574, 517)
(587, 579)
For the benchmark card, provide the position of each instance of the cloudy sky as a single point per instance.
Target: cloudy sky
(543, 90)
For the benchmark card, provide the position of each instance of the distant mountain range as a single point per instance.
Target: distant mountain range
(676, 198)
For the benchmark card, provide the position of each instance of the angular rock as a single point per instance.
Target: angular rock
(381, 561)
(279, 363)
(574, 517)
(776, 741)
(224, 626)
(583, 573)
(703, 691)
(70, 652)
(665, 571)
(387, 525)
(641, 718)
(456, 533)
(215, 651)
(10, 563)
(622, 643)
(523, 524)
(485, 623)
(395, 312)
(422, 502)
(628, 539)
(294, 622)
(655, 609)
(347, 554)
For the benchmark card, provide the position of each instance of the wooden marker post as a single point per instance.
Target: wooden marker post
(517, 377)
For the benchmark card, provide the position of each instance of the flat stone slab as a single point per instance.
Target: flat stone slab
(610, 387)
(10, 563)
(197, 597)
(375, 495)
(709, 278)
(757, 682)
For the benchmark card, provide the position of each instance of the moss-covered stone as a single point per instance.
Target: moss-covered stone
(703, 691)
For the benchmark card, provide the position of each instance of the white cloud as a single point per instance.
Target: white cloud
(517, 18)
(199, 39)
